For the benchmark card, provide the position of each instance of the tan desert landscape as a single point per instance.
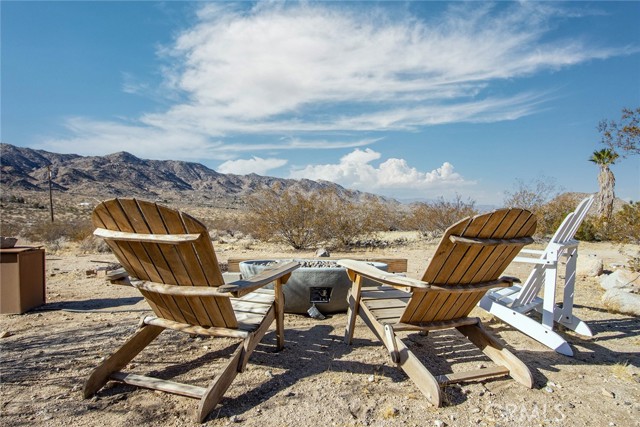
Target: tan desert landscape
(317, 379)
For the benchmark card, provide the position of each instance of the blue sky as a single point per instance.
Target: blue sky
(404, 99)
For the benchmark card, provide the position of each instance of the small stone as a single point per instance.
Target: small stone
(548, 389)
(475, 410)
(322, 253)
(608, 393)
(269, 374)
(5, 334)
(439, 423)
(481, 366)
(371, 378)
(236, 419)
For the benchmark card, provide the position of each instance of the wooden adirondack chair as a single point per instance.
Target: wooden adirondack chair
(467, 263)
(512, 305)
(171, 260)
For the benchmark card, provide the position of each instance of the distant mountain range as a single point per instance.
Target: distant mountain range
(123, 174)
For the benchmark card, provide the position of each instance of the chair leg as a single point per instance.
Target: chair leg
(496, 352)
(279, 307)
(220, 384)
(409, 362)
(120, 358)
(250, 343)
(354, 302)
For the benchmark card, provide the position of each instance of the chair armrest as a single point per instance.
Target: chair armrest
(503, 282)
(532, 251)
(367, 270)
(244, 286)
(171, 239)
(177, 290)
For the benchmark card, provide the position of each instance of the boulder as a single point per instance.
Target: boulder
(621, 301)
(622, 291)
(621, 279)
(590, 267)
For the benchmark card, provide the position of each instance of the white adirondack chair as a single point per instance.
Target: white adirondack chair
(512, 304)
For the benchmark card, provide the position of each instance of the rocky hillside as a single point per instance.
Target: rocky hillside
(123, 174)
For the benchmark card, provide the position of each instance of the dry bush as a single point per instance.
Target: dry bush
(531, 196)
(624, 227)
(433, 218)
(550, 215)
(306, 220)
(93, 244)
(74, 230)
(344, 221)
(626, 224)
(288, 217)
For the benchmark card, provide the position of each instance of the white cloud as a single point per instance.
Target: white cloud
(392, 176)
(291, 68)
(256, 165)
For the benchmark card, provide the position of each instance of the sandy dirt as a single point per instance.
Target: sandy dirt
(317, 380)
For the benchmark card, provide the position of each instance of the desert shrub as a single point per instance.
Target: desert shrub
(304, 220)
(433, 218)
(48, 232)
(531, 196)
(551, 214)
(588, 231)
(625, 226)
(288, 216)
(633, 262)
(343, 221)
(93, 244)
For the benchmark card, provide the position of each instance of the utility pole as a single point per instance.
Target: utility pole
(50, 194)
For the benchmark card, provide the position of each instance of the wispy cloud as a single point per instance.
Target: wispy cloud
(313, 71)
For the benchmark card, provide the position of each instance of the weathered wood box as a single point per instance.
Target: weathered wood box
(22, 279)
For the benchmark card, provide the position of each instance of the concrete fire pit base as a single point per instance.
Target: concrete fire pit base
(322, 281)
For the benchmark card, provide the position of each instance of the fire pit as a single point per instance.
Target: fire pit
(320, 283)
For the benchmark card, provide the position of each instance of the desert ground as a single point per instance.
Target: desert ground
(47, 353)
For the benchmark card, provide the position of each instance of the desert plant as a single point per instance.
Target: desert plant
(285, 216)
(532, 195)
(48, 232)
(304, 220)
(435, 217)
(625, 226)
(551, 214)
(606, 181)
(343, 221)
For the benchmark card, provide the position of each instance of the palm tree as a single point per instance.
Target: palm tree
(606, 180)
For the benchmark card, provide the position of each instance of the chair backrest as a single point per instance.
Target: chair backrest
(458, 262)
(186, 264)
(572, 222)
(563, 235)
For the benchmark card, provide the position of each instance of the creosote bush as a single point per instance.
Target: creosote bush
(70, 230)
(305, 220)
(433, 218)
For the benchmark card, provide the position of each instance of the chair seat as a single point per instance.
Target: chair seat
(386, 303)
(251, 309)
(508, 296)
